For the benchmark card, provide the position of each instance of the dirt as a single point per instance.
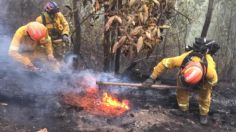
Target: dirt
(151, 110)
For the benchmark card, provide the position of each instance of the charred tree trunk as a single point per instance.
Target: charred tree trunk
(77, 41)
(164, 44)
(106, 44)
(77, 37)
(111, 61)
(208, 19)
(117, 61)
(179, 43)
(229, 67)
(117, 57)
(229, 27)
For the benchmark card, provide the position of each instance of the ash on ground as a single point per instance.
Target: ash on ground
(25, 106)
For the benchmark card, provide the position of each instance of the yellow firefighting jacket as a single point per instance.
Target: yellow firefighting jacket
(175, 62)
(58, 23)
(22, 44)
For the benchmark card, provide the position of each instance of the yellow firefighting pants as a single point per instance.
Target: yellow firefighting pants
(60, 49)
(204, 98)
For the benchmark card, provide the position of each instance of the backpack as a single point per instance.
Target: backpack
(54, 33)
(204, 65)
(200, 48)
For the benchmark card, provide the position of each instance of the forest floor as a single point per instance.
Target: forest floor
(151, 110)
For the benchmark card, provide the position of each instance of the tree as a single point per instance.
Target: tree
(208, 19)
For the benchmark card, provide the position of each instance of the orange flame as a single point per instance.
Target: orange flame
(92, 101)
(110, 101)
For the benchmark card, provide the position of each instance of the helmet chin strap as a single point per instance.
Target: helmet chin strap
(29, 36)
(52, 15)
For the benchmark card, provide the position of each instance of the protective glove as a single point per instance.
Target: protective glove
(158, 82)
(66, 38)
(32, 68)
(55, 63)
(51, 58)
(148, 82)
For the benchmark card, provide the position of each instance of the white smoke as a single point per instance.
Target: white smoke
(4, 34)
(36, 94)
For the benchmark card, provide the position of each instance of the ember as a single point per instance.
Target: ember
(96, 103)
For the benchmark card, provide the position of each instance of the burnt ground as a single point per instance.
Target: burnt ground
(27, 108)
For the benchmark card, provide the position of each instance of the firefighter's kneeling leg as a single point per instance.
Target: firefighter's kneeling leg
(59, 51)
(204, 99)
(182, 98)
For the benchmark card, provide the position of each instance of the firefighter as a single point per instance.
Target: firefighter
(31, 42)
(58, 28)
(197, 74)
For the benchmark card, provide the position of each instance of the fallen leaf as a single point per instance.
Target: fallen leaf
(164, 27)
(139, 44)
(148, 35)
(136, 30)
(145, 13)
(158, 33)
(131, 2)
(156, 2)
(118, 19)
(148, 44)
(118, 44)
(141, 17)
(111, 20)
(97, 5)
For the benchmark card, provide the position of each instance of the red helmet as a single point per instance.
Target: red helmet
(51, 7)
(192, 73)
(36, 31)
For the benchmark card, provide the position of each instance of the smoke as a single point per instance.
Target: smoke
(4, 34)
(88, 78)
(33, 97)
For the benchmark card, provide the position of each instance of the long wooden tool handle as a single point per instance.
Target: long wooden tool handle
(135, 85)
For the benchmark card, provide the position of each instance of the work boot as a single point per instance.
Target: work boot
(203, 119)
(179, 112)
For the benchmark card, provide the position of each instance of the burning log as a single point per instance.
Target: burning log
(135, 85)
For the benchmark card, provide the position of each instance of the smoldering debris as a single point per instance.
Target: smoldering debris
(35, 98)
(34, 102)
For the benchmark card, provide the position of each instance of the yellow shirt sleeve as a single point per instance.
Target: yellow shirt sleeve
(39, 19)
(48, 45)
(66, 28)
(15, 45)
(168, 63)
(211, 75)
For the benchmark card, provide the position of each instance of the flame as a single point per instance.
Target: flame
(94, 102)
(110, 101)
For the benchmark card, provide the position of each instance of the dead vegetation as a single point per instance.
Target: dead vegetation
(138, 23)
